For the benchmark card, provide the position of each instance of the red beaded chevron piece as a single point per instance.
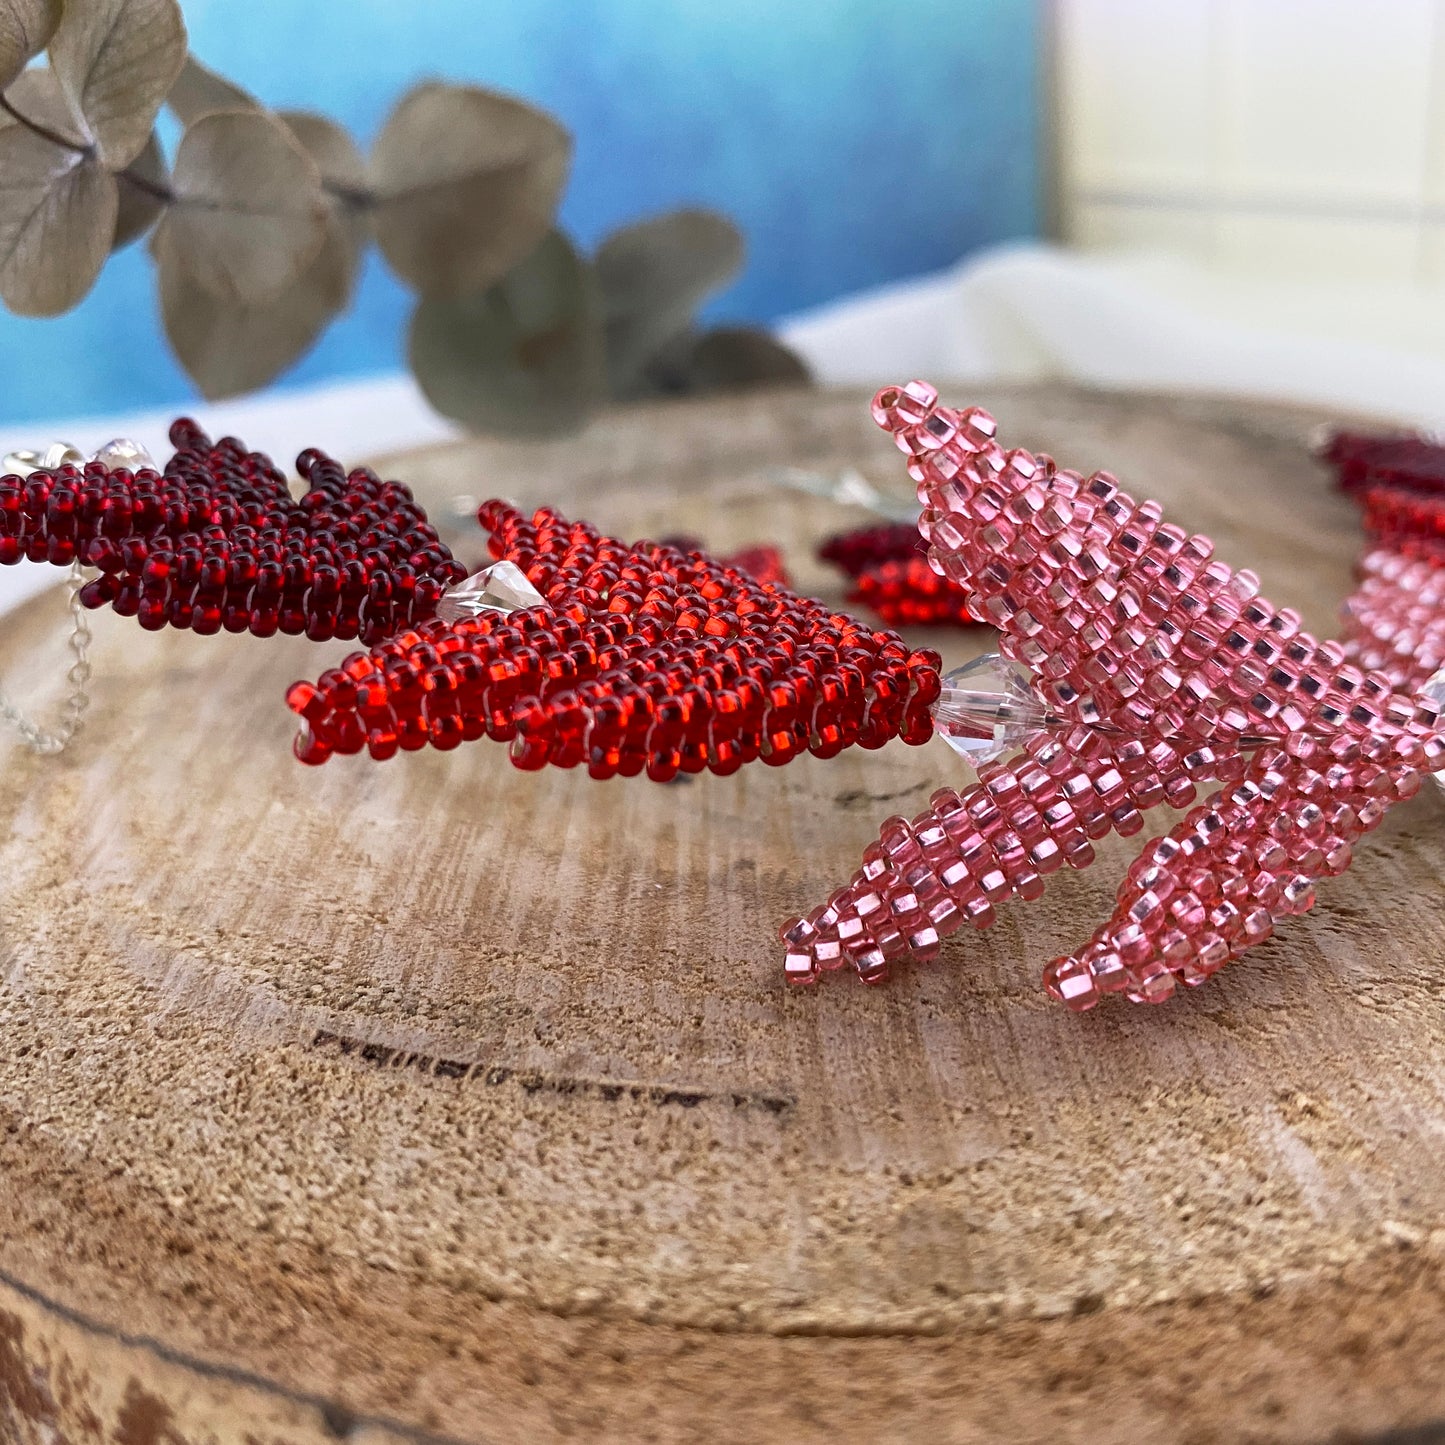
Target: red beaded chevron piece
(1399, 482)
(761, 561)
(217, 541)
(911, 594)
(889, 567)
(1155, 668)
(864, 548)
(1397, 614)
(1362, 461)
(636, 658)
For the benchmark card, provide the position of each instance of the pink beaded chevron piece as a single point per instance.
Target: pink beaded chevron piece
(1136, 667)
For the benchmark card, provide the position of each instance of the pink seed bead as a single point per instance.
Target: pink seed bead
(1164, 672)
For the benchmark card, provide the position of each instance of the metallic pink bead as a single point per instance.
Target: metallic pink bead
(1156, 668)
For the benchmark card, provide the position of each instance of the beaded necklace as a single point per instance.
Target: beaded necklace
(573, 647)
(1134, 666)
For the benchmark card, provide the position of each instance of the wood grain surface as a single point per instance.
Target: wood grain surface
(435, 1101)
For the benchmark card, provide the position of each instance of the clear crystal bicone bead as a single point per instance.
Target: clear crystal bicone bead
(502, 587)
(988, 708)
(119, 452)
(123, 452)
(57, 454)
(1434, 688)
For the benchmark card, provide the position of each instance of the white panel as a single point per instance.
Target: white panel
(1318, 248)
(1432, 255)
(1099, 226)
(1435, 121)
(1134, 94)
(1325, 98)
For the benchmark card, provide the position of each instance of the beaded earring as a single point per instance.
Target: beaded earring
(1157, 668)
(578, 649)
(1133, 667)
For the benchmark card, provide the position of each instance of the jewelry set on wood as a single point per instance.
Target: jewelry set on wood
(1133, 667)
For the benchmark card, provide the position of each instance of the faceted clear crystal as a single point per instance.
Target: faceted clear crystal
(57, 454)
(60, 454)
(988, 708)
(120, 452)
(502, 587)
(1434, 689)
(123, 452)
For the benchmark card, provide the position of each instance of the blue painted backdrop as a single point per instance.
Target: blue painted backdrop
(855, 141)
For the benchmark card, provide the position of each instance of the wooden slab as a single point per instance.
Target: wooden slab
(432, 1100)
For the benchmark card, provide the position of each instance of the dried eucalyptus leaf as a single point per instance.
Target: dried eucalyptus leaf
(343, 174)
(25, 30)
(468, 182)
(228, 347)
(198, 91)
(116, 60)
(665, 373)
(523, 356)
(140, 207)
(652, 277)
(250, 215)
(667, 261)
(731, 358)
(330, 146)
(38, 97)
(57, 220)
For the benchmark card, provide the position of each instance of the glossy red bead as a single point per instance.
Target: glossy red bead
(646, 658)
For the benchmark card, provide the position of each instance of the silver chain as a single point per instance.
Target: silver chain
(54, 740)
(121, 452)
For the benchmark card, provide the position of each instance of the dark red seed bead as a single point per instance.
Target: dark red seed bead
(891, 575)
(215, 501)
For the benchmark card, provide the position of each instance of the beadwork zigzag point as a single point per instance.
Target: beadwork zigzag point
(215, 541)
(1158, 668)
(636, 658)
